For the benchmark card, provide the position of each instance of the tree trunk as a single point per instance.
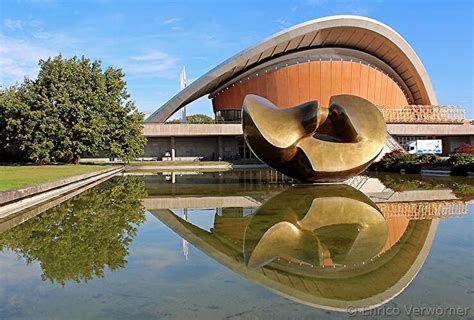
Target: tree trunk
(75, 159)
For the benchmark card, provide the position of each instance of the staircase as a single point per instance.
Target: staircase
(392, 144)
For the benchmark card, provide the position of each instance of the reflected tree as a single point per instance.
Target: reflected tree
(79, 238)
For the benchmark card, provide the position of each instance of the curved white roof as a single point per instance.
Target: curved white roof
(346, 31)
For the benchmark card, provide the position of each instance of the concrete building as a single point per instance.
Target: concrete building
(311, 61)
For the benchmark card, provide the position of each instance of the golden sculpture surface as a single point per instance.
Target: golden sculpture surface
(311, 143)
(333, 224)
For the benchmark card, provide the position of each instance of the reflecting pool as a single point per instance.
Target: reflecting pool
(243, 244)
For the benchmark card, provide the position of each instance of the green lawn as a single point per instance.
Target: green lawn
(14, 177)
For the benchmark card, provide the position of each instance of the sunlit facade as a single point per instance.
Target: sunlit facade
(314, 61)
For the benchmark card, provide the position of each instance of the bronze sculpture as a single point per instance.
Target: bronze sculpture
(311, 143)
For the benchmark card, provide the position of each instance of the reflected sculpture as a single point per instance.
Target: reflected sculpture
(321, 228)
(78, 239)
(322, 246)
(311, 143)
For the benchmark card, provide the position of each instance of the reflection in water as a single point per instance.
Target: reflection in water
(316, 225)
(79, 238)
(326, 246)
(185, 243)
(462, 187)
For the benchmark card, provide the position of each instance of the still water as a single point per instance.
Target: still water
(243, 245)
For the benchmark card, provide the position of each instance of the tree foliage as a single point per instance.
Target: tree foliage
(72, 108)
(459, 163)
(464, 148)
(412, 163)
(79, 238)
(400, 183)
(195, 118)
(13, 114)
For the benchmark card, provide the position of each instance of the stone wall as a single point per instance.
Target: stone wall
(188, 147)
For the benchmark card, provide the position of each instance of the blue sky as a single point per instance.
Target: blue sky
(152, 40)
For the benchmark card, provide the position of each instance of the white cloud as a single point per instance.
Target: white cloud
(19, 58)
(19, 55)
(314, 3)
(283, 23)
(360, 11)
(150, 56)
(35, 23)
(15, 269)
(170, 21)
(13, 24)
(55, 39)
(155, 257)
(152, 62)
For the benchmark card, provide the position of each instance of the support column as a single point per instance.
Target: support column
(173, 149)
(220, 150)
(245, 150)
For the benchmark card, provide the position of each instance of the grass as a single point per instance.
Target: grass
(178, 163)
(14, 177)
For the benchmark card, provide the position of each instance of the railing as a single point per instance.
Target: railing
(393, 144)
(424, 114)
(423, 209)
(406, 114)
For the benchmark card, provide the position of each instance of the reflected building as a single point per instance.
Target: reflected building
(329, 247)
(304, 242)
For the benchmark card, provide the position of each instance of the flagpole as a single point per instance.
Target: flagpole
(183, 84)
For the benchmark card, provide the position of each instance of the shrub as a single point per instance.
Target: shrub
(464, 148)
(461, 163)
(461, 159)
(411, 163)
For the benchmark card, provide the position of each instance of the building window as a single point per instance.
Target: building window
(228, 116)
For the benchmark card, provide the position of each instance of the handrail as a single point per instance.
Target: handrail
(424, 114)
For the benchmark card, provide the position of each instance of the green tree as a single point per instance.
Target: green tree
(195, 118)
(13, 128)
(199, 118)
(79, 238)
(72, 108)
